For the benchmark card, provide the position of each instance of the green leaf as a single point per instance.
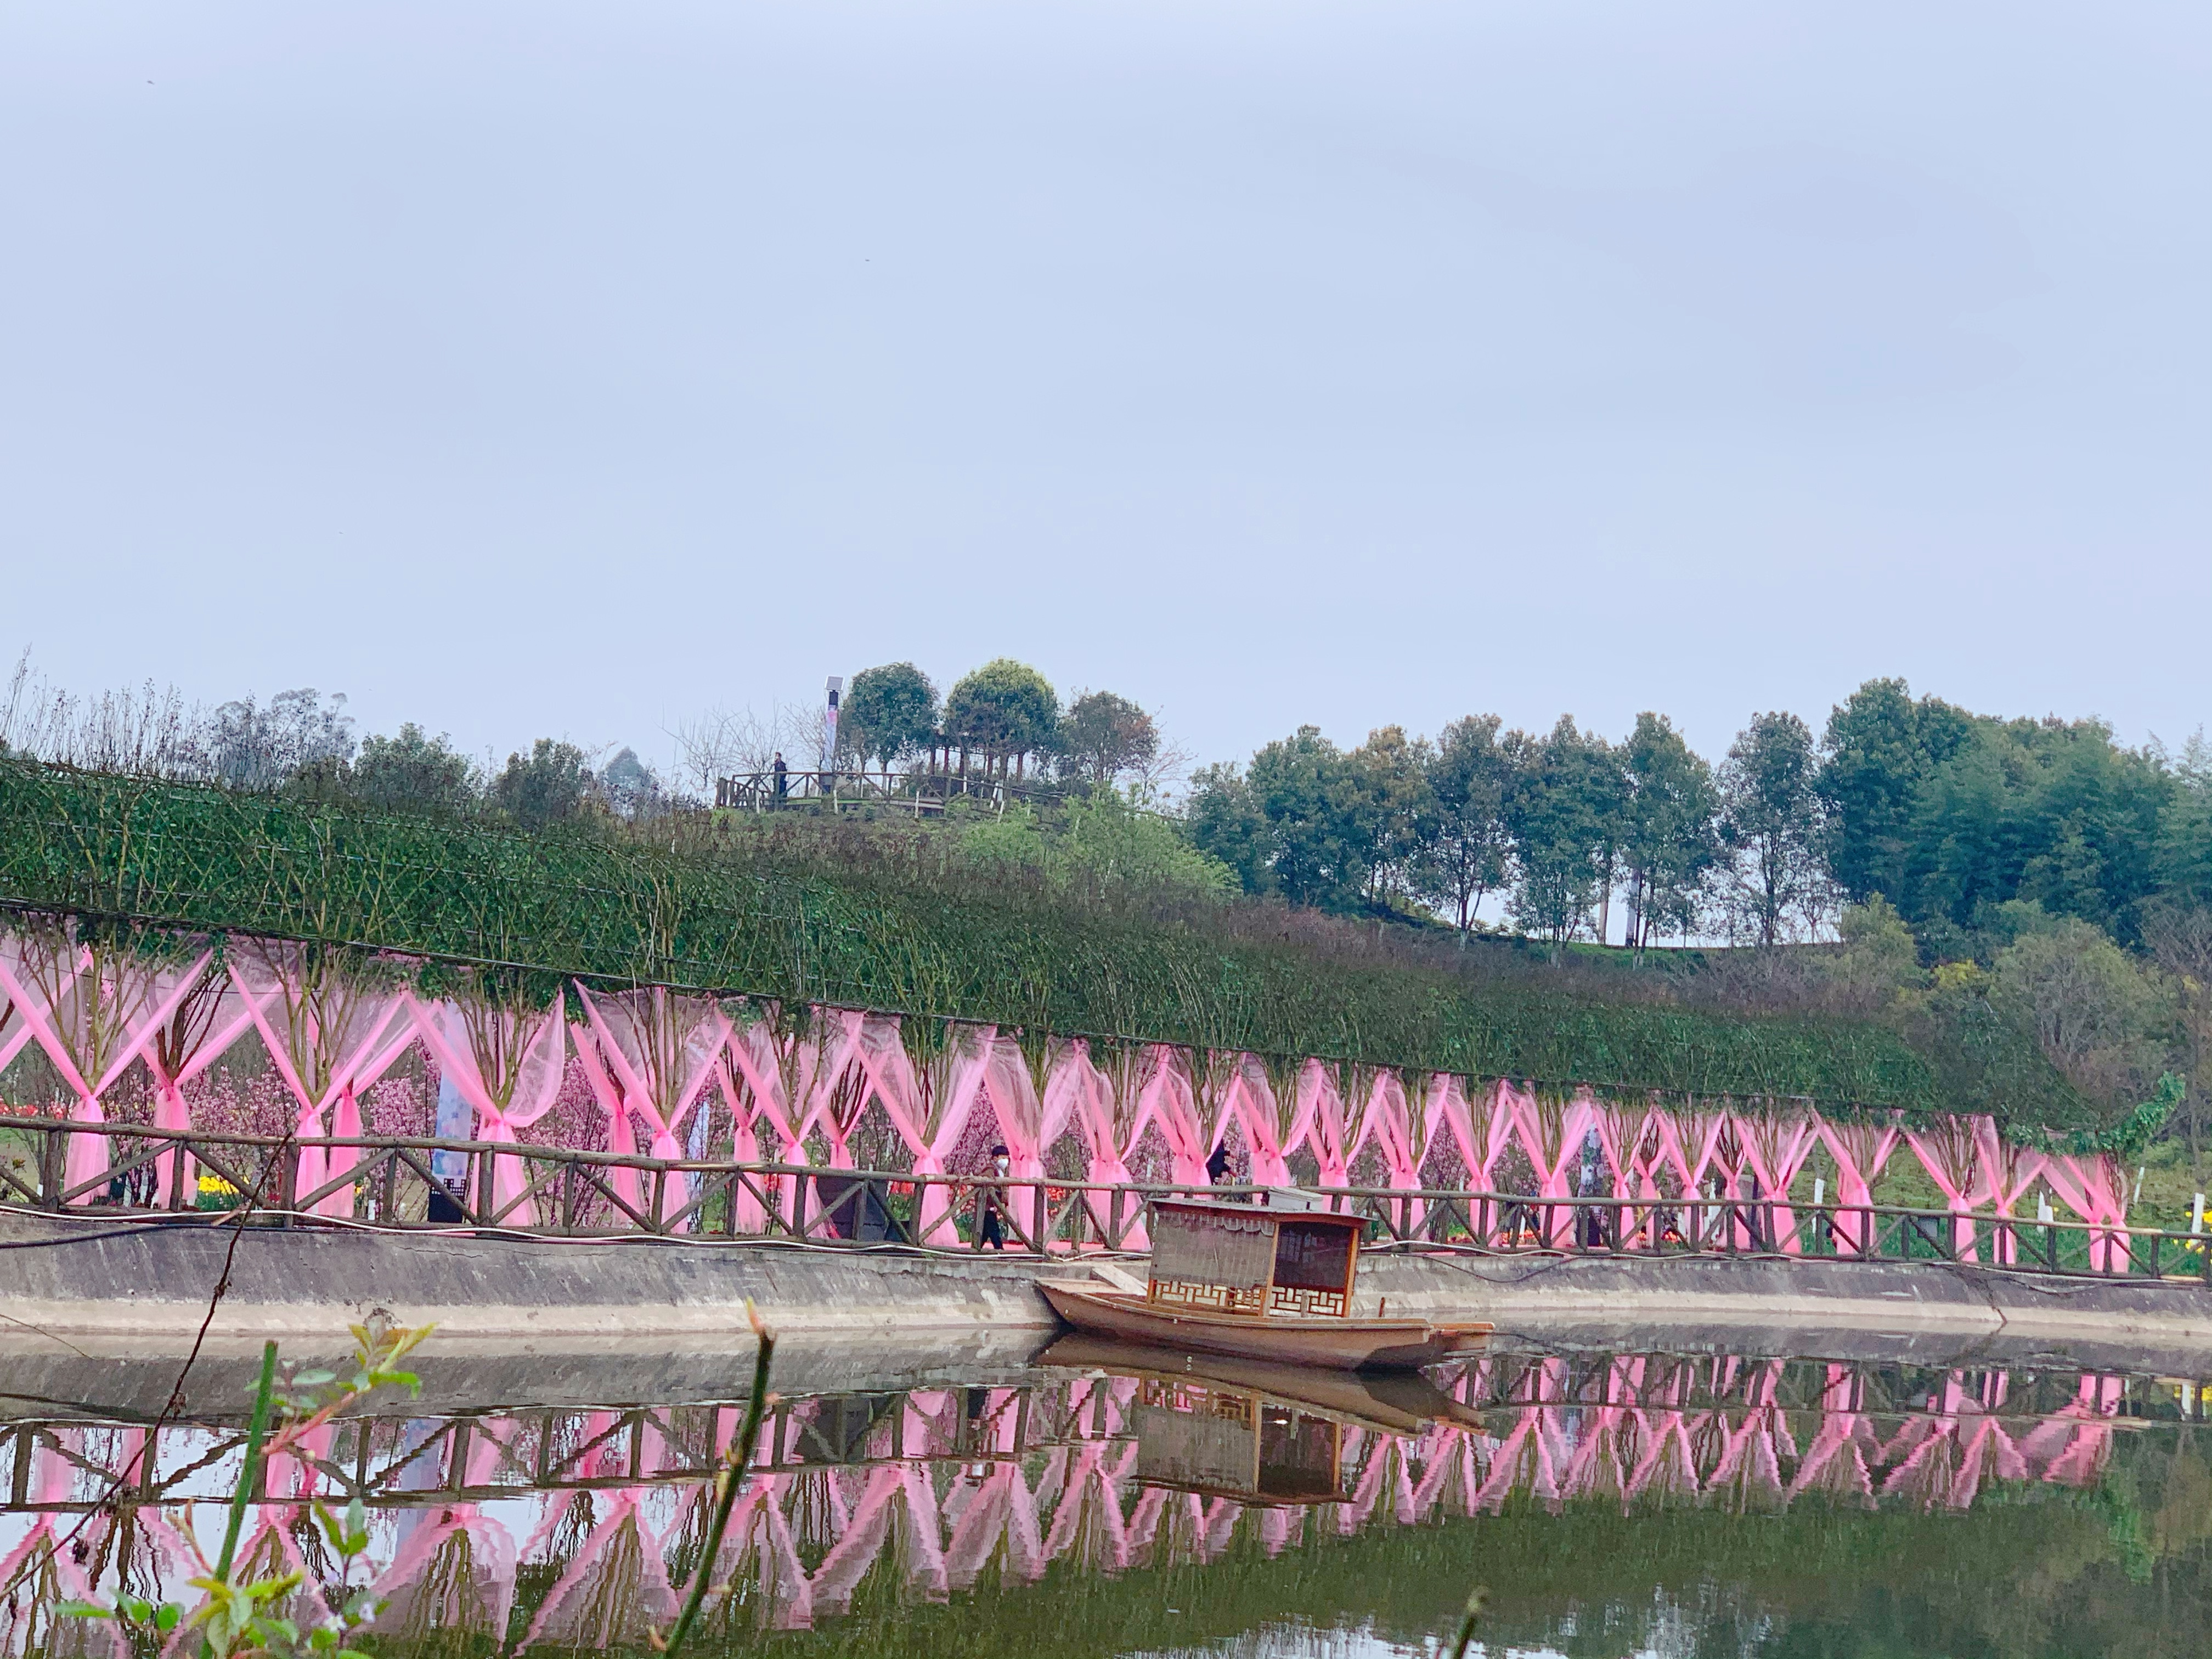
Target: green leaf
(166, 1616)
(84, 1610)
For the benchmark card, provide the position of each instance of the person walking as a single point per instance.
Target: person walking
(1216, 1166)
(994, 1200)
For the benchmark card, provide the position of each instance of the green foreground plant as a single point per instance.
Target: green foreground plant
(729, 1480)
(240, 1615)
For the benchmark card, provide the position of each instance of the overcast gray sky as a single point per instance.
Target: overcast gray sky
(555, 368)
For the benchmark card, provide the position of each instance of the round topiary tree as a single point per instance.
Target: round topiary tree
(1006, 709)
(891, 713)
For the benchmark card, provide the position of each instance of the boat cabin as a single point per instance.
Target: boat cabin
(1243, 1259)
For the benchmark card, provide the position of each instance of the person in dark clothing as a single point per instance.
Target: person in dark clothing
(993, 1231)
(783, 778)
(1216, 1166)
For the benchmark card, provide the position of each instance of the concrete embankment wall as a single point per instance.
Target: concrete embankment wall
(84, 1288)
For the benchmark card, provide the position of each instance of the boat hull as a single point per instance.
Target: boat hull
(1348, 1345)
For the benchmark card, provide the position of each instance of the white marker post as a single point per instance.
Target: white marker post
(829, 734)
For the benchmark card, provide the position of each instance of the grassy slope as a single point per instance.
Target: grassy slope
(188, 857)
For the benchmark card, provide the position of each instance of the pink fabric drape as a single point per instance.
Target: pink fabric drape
(1394, 1124)
(1172, 1102)
(1273, 1125)
(928, 1104)
(180, 1051)
(842, 1084)
(1625, 1136)
(1776, 1144)
(1951, 1153)
(2011, 1171)
(93, 1014)
(1111, 1114)
(653, 1052)
(336, 1038)
(1689, 1143)
(780, 1060)
(1552, 1134)
(2095, 1188)
(508, 1064)
(1329, 1130)
(1029, 1120)
(1860, 1148)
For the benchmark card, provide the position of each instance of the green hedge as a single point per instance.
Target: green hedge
(197, 858)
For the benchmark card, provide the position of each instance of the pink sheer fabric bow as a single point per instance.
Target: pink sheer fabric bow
(652, 1053)
(508, 1065)
(93, 1019)
(929, 1104)
(337, 1039)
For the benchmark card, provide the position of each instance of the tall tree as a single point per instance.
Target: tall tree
(890, 712)
(1771, 820)
(2050, 810)
(251, 747)
(1471, 777)
(1226, 823)
(550, 787)
(1668, 840)
(1007, 709)
(1396, 814)
(415, 772)
(1297, 824)
(1102, 736)
(1880, 749)
(1562, 813)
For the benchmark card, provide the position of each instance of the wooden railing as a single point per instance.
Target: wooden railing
(413, 1182)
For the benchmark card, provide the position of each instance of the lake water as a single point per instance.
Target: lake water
(1112, 1502)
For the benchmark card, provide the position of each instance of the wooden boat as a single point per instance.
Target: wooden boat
(1258, 1282)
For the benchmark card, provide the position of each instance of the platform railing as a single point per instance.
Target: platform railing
(416, 1182)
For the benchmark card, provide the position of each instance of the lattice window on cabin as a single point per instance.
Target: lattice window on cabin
(1294, 1299)
(1217, 1298)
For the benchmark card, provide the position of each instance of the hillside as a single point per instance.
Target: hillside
(735, 919)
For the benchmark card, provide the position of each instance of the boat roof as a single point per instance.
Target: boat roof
(1246, 1212)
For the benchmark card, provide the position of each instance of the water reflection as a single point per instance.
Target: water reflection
(562, 1528)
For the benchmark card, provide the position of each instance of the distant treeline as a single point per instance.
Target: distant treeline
(2034, 867)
